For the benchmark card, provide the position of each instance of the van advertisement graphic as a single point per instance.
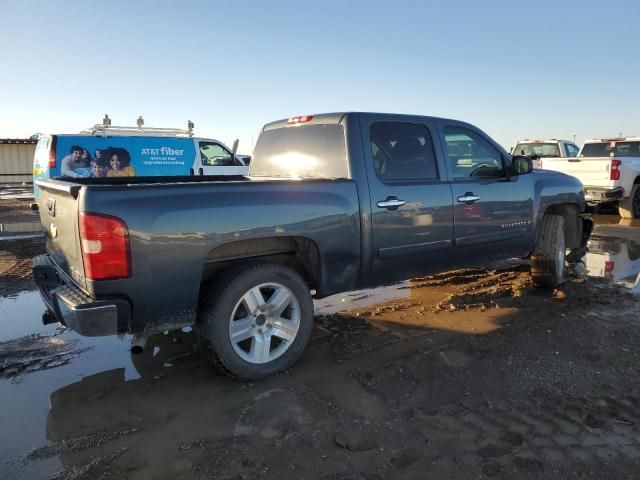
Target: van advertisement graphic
(84, 156)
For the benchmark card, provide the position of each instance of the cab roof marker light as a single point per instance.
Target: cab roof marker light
(300, 119)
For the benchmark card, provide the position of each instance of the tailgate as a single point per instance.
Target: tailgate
(591, 171)
(58, 206)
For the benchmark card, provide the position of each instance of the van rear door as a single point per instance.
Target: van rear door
(44, 159)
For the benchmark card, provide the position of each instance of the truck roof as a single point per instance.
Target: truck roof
(549, 140)
(337, 117)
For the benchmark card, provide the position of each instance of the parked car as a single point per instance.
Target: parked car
(609, 168)
(106, 151)
(540, 150)
(334, 203)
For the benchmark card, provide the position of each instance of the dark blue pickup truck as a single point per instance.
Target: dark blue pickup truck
(334, 202)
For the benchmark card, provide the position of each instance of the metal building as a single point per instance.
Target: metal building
(16, 160)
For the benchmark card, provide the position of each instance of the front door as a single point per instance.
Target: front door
(492, 213)
(411, 204)
(215, 159)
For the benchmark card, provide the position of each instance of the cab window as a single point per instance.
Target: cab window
(215, 155)
(572, 150)
(472, 156)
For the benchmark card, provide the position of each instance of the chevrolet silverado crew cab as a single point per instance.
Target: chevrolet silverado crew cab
(539, 150)
(609, 168)
(333, 203)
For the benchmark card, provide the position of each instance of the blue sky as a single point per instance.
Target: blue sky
(516, 69)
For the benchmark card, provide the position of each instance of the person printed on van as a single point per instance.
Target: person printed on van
(98, 154)
(120, 163)
(85, 158)
(71, 162)
(99, 167)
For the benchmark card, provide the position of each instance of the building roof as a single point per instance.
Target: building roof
(15, 141)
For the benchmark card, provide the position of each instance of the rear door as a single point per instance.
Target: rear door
(411, 205)
(492, 213)
(42, 161)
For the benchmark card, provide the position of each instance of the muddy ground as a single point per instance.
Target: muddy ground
(467, 374)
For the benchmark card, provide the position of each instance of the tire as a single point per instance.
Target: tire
(630, 206)
(256, 321)
(548, 257)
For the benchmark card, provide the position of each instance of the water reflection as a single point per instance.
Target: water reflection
(616, 259)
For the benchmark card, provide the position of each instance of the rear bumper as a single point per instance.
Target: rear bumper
(73, 308)
(593, 195)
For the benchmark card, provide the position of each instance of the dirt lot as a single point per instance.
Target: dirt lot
(468, 374)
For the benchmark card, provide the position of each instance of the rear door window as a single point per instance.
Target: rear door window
(403, 151)
(41, 156)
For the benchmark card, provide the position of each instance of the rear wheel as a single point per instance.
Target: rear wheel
(256, 322)
(548, 257)
(630, 206)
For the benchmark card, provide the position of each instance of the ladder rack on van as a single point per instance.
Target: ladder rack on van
(105, 129)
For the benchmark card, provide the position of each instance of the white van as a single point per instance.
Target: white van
(106, 151)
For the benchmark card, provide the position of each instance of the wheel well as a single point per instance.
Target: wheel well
(299, 253)
(572, 223)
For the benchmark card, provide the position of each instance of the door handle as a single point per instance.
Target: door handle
(468, 198)
(391, 203)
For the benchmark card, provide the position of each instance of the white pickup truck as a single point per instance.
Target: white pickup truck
(609, 169)
(540, 150)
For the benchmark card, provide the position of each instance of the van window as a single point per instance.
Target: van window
(215, 155)
(309, 151)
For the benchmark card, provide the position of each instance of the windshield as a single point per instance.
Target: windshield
(537, 149)
(605, 149)
(311, 151)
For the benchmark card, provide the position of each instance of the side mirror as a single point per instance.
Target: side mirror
(521, 165)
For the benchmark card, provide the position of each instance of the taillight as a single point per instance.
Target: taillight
(615, 170)
(105, 247)
(608, 269)
(52, 158)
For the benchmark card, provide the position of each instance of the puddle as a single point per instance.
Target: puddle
(16, 192)
(21, 227)
(616, 259)
(361, 298)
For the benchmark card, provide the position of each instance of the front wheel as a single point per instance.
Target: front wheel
(630, 207)
(548, 257)
(257, 322)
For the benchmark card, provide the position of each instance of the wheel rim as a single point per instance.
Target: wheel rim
(264, 323)
(560, 254)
